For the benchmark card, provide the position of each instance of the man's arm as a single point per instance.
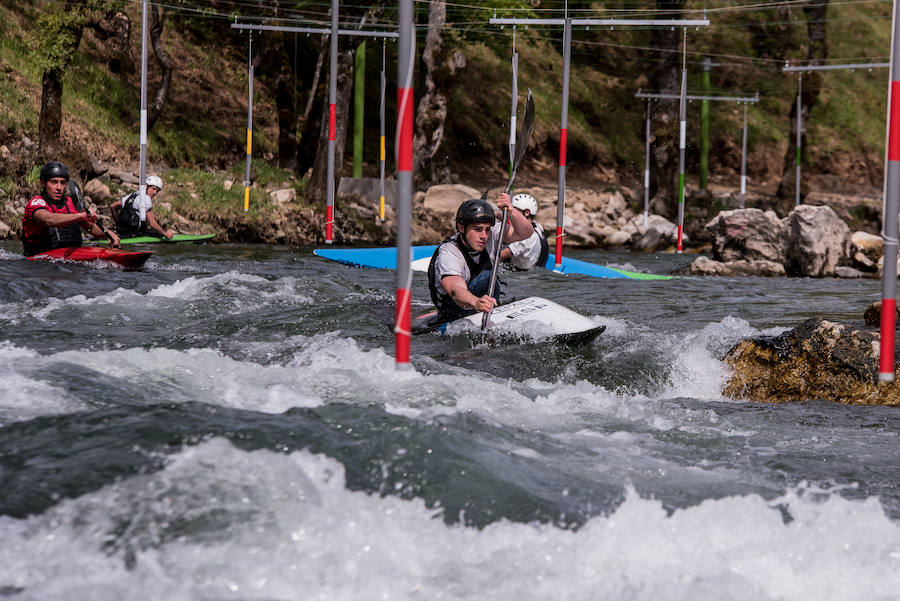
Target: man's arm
(156, 227)
(45, 217)
(456, 287)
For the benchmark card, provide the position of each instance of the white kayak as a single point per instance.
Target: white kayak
(533, 317)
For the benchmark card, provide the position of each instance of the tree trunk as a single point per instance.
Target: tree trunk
(817, 52)
(664, 115)
(157, 24)
(63, 38)
(50, 122)
(318, 182)
(431, 114)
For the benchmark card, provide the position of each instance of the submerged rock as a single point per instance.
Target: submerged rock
(707, 266)
(820, 359)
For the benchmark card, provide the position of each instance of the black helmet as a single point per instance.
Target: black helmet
(475, 211)
(54, 169)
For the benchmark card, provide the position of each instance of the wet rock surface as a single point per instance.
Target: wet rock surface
(820, 359)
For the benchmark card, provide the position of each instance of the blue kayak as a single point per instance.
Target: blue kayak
(386, 258)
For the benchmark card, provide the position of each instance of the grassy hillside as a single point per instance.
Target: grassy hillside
(204, 124)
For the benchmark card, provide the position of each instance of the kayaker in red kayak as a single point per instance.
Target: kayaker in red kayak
(51, 219)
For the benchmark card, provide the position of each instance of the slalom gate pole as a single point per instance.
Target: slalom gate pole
(381, 137)
(332, 124)
(744, 160)
(359, 107)
(563, 127)
(249, 124)
(515, 102)
(405, 62)
(799, 129)
(681, 143)
(142, 190)
(704, 125)
(647, 168)
(891, 206)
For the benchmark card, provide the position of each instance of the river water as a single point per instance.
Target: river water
(228, 424)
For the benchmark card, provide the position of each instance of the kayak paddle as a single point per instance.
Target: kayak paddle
(524, 136)
(78, 197)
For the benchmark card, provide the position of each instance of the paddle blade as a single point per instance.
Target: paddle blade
(75, 193)
(527, 128)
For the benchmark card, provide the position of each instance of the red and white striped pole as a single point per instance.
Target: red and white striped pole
(563, 128)
(404, 145)
(332, 123)
(891, 206)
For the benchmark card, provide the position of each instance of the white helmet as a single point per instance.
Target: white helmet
(525, 201)
(154, 180)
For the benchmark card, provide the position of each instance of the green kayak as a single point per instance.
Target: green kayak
(160, 240)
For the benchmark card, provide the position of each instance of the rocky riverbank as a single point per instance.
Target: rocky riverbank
(811, 241)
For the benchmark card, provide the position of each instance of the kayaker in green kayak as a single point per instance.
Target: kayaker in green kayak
(51, 219)
(134, 213)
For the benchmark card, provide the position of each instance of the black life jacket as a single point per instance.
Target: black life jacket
(545, 248)
(65, 236)
(444, 302)
(129, 222)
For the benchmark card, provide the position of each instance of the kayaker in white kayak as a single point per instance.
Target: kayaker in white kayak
(533, 251)
(51, 219)
(134, 213)
(459, 273)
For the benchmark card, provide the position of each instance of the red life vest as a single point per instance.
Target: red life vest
(38, 238)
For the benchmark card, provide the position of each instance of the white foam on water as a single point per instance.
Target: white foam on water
(22, 397)
(220, 523)
(238, 291)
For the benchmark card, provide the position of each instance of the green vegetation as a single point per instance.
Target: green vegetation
(202, 189)
(204, 123)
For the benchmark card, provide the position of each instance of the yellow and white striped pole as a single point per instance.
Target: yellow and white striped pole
(249, 126)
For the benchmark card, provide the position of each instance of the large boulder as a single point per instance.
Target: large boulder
(864, 250)
(748, 234)
(818, 360)
(97, 190)
(815, 241)
(446, 198)
(659, 233)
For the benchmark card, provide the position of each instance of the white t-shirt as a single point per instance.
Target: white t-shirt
(450, 260)
(525, 253)
(142, 204)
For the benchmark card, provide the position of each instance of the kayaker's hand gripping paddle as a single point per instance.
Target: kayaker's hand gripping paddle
(75, 193)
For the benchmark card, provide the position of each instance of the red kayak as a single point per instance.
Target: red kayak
(125, 258)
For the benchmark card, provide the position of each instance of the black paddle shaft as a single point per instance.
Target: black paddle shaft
(524, 137)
